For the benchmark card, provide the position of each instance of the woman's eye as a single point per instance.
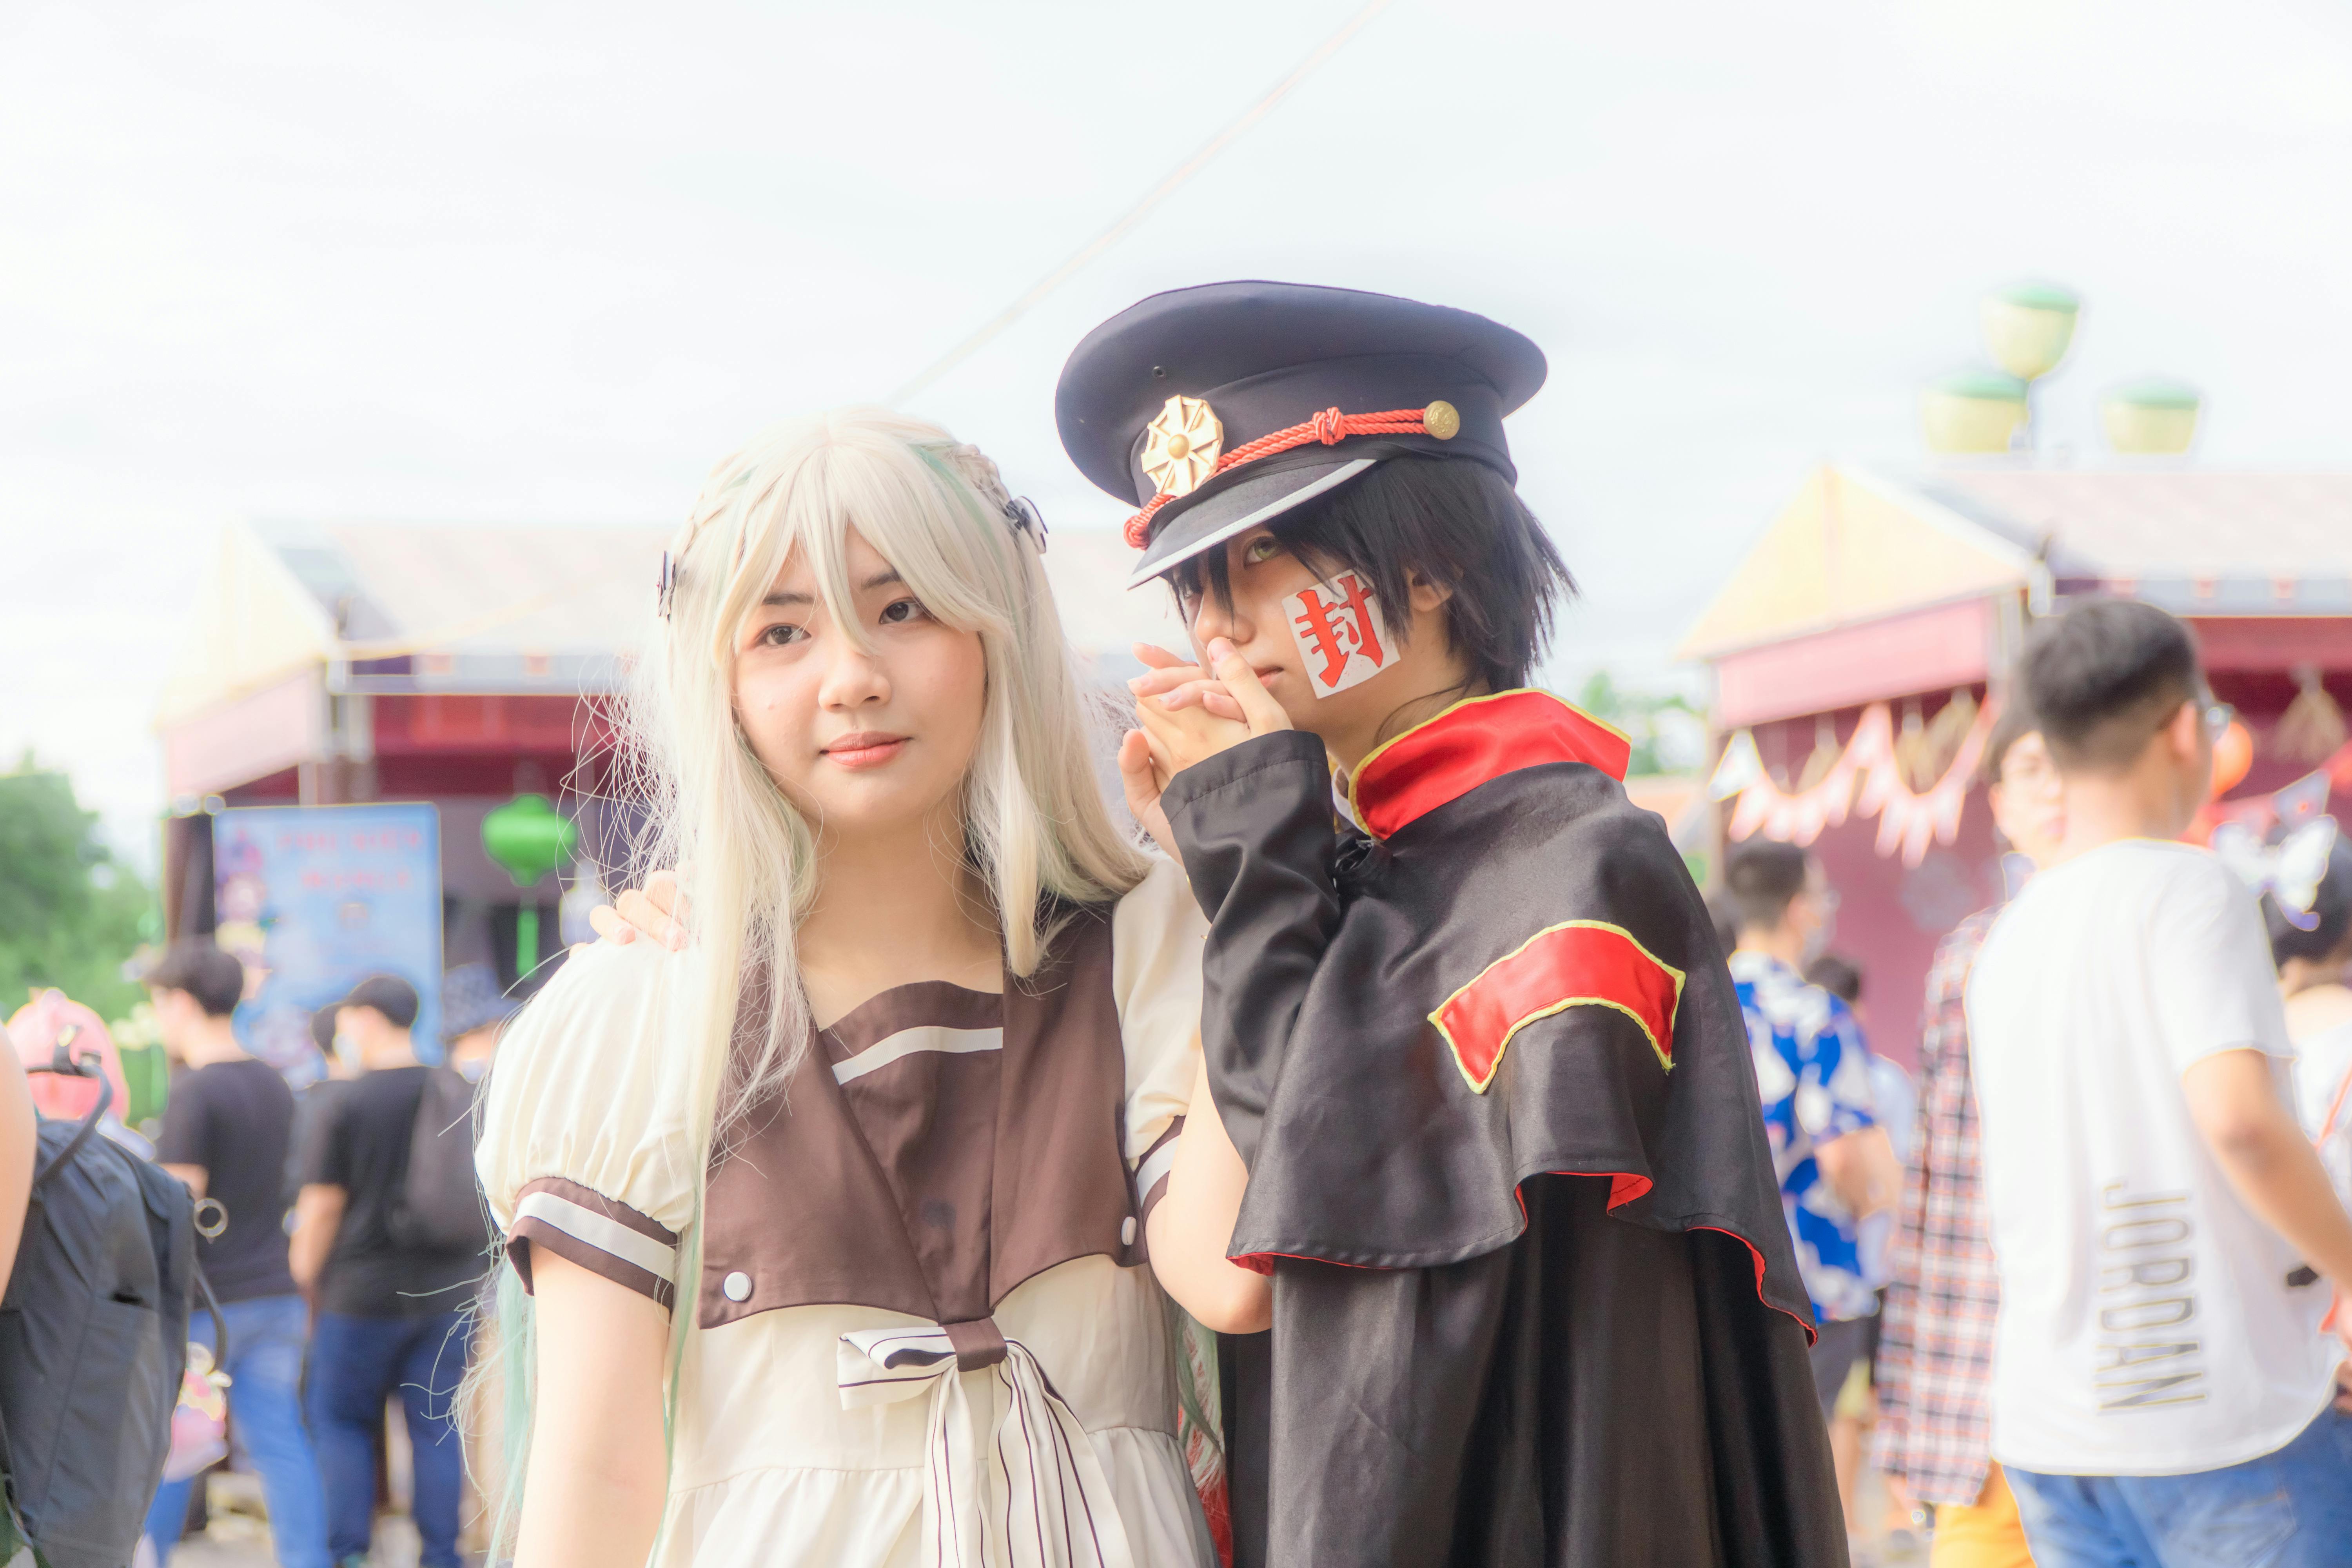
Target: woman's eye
(781, 635)
(899, 612)
(1263, 549)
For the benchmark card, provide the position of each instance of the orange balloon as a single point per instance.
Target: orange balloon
(2234, 753)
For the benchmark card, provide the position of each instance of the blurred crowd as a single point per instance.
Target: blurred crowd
(2123, 1166)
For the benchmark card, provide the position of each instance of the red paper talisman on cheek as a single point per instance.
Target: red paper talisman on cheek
(1340, 637)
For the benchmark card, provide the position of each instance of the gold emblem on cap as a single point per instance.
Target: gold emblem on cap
(1442, 419)
(1181, 448)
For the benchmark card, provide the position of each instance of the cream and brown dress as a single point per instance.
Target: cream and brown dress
(926, 1334)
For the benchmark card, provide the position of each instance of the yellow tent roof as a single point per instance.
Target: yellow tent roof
(279, 599)
(1853, 547)
(254, 624)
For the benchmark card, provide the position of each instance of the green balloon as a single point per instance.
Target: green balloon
(528, 839)
(2039, 297)
(2155, 392)
(1986, 386)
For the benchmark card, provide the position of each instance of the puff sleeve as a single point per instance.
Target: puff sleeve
(586, 1145)
(1156, 933)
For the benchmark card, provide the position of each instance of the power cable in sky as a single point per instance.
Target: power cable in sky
(1136, 214)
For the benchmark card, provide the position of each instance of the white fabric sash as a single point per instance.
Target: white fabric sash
(1057, 1511)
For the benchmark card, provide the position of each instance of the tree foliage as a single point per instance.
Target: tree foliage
(1663, 726)
(71, 914)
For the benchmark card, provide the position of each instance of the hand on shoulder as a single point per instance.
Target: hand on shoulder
(657, 911)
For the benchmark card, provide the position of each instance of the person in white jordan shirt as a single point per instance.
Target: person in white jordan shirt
(2161, 1391)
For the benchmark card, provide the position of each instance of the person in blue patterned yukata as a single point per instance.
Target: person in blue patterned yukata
(1812, 1074)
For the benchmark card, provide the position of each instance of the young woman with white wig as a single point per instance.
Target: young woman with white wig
(830, 1229)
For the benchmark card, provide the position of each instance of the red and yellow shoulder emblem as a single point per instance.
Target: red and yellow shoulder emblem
(1576, 964)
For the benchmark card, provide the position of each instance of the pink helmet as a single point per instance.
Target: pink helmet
(34, 1030)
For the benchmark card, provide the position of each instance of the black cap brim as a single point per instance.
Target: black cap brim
(1254, 500)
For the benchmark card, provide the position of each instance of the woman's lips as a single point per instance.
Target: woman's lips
(865, 751)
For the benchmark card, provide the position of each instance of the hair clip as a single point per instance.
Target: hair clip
(1022, 514)
(666, 587)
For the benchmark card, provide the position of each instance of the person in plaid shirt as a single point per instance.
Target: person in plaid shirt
(1935, 1358)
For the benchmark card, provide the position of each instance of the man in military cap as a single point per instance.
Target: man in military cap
(1532, 1300)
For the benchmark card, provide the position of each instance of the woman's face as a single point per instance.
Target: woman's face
(863, 741)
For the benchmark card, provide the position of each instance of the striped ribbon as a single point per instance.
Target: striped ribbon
(1057, 1511)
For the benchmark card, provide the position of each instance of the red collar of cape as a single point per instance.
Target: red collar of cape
(1481, 737)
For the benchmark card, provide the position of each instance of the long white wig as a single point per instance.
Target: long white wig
(1036, 832)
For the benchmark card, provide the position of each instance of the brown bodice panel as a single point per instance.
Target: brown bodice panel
(1062, 1188)
(934, 1184)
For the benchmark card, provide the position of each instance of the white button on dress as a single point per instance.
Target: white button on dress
(736, 1287)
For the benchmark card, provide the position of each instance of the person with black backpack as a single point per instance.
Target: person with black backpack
(225, 1129)
(392, 1256)
(101, 1268)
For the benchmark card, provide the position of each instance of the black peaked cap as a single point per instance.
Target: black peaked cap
(1268, 356)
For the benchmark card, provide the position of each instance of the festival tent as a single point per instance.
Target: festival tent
(463, 666)
(1860, 652)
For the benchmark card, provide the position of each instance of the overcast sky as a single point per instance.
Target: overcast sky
(547, 262)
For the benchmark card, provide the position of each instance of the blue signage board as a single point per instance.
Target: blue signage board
(314, 899)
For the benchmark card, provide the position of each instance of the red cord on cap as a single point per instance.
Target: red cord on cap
(1331, 427)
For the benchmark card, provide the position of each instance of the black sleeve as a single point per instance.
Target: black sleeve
(1255, 825)
(322, 1143)
(187, 1120)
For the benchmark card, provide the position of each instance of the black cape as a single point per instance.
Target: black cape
(1555, 1320)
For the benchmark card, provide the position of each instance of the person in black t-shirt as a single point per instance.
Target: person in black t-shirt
(225, 1128)
(391, 1317)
